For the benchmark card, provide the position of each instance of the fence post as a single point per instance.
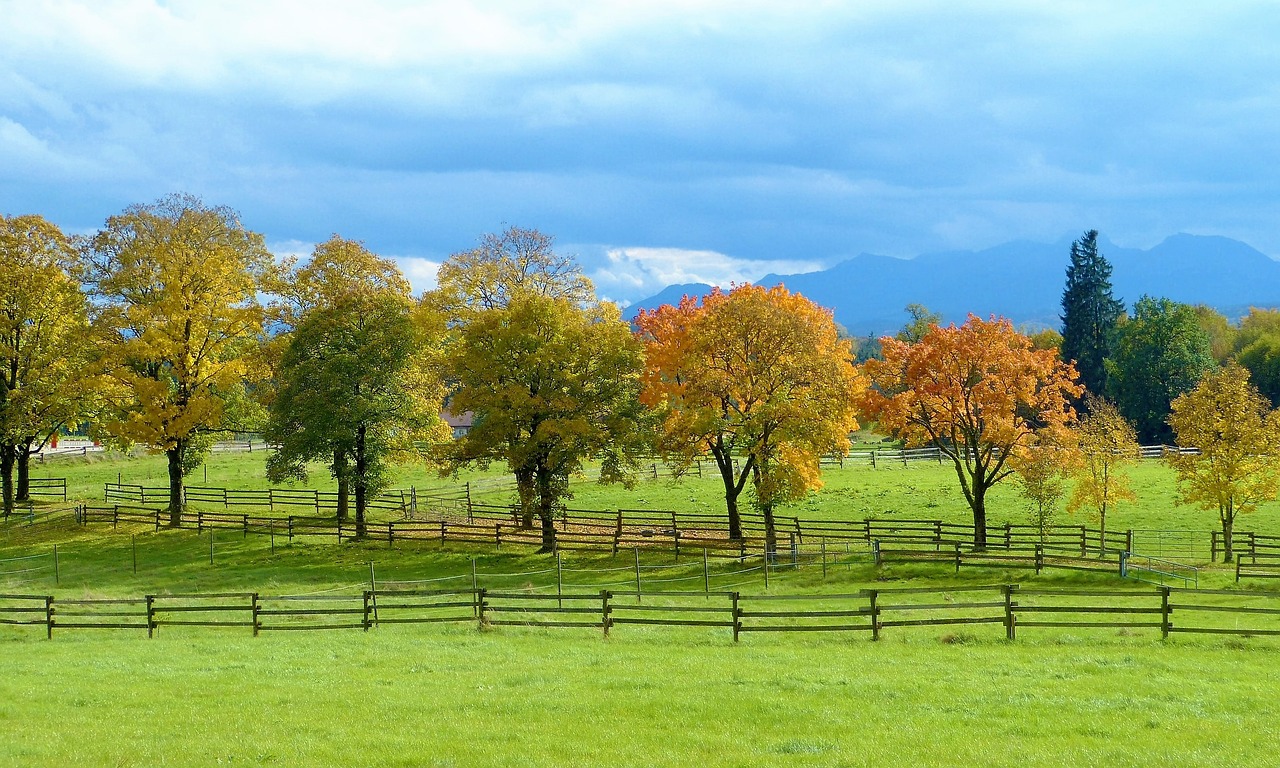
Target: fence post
(737, 618)
(957, 558)
(48, 617)
(606, 620)
(560, 585)
(766, 570)
(365, 621)
(706, 574)
(637, 553)
(875, 552)
(1128, 540)
(373, 590)
(1039, 558)
(253, 603)
(1213, 546)
(1165, 610)
(480, 606)
(151, 615)
(874, 610)
(1009, 605)
(391, 534)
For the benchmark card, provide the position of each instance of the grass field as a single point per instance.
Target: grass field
(647, 696)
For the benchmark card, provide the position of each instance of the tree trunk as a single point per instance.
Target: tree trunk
(344, 485)
(1102, 535)
(1228, 523)
(24, 472)
(733, 485)
(362, 468)
(979, 517)
(546, 510)
(6, 477)
(528, 495)
(770, 533)
(174, 455)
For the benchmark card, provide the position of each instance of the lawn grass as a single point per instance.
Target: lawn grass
(453, 695)
(524, 698)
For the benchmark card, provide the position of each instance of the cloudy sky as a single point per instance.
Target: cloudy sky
(662, 141)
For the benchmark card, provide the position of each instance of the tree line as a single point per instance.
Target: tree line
(173, 324)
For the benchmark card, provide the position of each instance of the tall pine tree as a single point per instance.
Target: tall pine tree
(1089, 312)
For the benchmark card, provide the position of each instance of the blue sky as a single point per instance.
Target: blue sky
(659, 141)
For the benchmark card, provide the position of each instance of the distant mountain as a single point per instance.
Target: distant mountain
(1023, 281)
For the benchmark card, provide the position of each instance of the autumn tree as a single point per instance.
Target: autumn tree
(176, 284)
(978, 392)
(1236, 433)
(485, 278)
(757, 378)
(45, 346)
(358, 386)
(1089, 312)
(551, 385)
(340, 271)
(1159, 353)
(1108, 446)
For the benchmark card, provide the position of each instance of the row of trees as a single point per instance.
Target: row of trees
(174, 323)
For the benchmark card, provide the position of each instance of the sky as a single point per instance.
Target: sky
(664, 141)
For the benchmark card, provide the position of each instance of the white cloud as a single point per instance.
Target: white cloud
(421, 272)
(633, 273)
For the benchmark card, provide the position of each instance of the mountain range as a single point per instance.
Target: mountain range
(1023, 281)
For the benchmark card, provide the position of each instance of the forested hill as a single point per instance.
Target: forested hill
(1023, 281)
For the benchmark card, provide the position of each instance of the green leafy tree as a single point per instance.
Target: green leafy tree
(1257, 348)
(338, 270)
(1221, 335)
(175, 286)
(357, 382)
(921, 322)
(1042, 469)
(1159, 354)
(1237, 465)
(1089, 312)
(551, 384)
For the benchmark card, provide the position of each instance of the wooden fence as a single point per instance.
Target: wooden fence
(1010, 607)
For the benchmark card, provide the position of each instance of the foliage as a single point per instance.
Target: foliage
(1236, 431)
(517, 260)
(1160, 353)
(1257, 348)
(921, 322)
(1089, 312)
(979, 393)
(358, 388)
(45, 345)
(1108, 446)
(1221, 335)
(1042, 468)
(755, 374)
(1046, 339)
(176, 286)
(550, 385)
(339, 271)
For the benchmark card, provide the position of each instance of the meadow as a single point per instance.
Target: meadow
(453, 695)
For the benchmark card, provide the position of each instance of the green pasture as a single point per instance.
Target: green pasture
(452, 695)
(925, 490)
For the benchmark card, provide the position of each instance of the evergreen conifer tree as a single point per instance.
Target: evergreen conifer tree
(1089, 312)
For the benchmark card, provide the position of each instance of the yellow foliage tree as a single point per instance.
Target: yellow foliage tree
(45, 347)
(1108, 445)
(1042, 468)
(177, 283)
(759, 375)
(1236, 433)
(977, 392)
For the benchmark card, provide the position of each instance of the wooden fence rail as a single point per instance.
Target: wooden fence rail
(1014, 608)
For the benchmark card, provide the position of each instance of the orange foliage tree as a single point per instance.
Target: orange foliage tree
(979, 393)
(759, 379)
